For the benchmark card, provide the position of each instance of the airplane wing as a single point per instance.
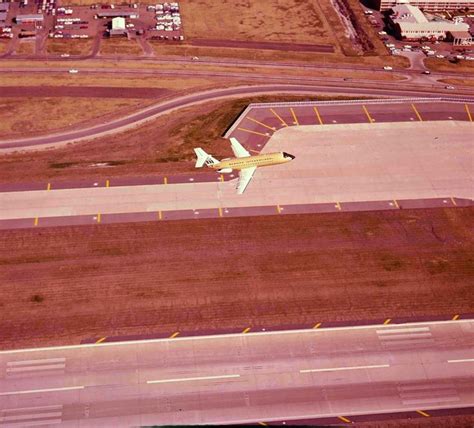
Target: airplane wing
(237, 148)
(245, 175)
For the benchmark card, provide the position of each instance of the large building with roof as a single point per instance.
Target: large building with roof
(425, 5)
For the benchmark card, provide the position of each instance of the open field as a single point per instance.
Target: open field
(4, 45)
(437, 64)
(120, 47)
(26, 47)
(163, 145)
(458, 82)
(60, 285)
(71, 47)
(460, 421)
(23, 116)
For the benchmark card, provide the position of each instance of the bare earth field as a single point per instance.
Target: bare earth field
(23, 116)
(26, 47)
(71, 47)
(60, 285)
(4, 45)
(460, 421)
(120, 47)
(436, 64)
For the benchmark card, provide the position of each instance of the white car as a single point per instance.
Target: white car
(449, 87)
(387, 68)
(73, 71)
(65, 55)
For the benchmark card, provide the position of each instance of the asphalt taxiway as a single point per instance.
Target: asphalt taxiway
(242, 378)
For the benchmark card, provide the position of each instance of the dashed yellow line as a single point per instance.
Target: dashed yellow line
(317, 325)
(252, 132)
(100, 340)
(107, 183)
(98, 218)
(279, 117)
(344, 419)
(36, 221)
(318, 115)
(338, 206)
(295, 119)
(174, 335)
(48, 187)
(456, 317)
(417, 113)
(246, 330)
(422, 413)
(261, 123)
(165, 180)
(369, 117)
(220, 211)
(387, 321)
(468, 112)
(160, 215)
(453, 201)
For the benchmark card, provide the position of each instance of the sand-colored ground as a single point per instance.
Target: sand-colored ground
(23, 116)
(438, 64)
(60, 285)
(458, 82)
(71, 47)
(120, 47)
(26, 47)
(4, 45)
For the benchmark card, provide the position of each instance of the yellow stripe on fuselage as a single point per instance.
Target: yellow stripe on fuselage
(252, 161)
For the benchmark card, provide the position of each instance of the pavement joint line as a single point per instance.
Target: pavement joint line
(417, 113)
(336, 369)
(279, 117)
(36, 221)
(467, 360)
(456, 317)
(369, 117)
(101, 340)
(317, 325)
(468, 112)
(252, 132)
(175, 334)
(422, 413)
(453, 201)
(107, 183)
(295, 119)
(48, 187)
(344, 419)
(338, 206)
(190, 379)
(387, 321)
(34, 391)
(318, 115)
(271, 128)
(165, 180)
(246, 330)
(224, 335)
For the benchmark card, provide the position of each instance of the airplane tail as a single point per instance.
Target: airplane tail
(204, 158)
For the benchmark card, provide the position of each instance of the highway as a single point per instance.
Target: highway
(240, 378)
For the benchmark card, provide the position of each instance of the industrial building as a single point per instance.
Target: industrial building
(117, 13)
(425, 5)
(29, 19)
(409, 23)
(117, 27)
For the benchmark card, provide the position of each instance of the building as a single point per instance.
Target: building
(409, 23)
(425, 5)
(117, 27)
(461, 38)
(116, 13)
(28, 19)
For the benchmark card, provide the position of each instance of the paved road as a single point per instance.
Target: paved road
(242, 378)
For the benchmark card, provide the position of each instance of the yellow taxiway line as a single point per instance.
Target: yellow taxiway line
(252, 132)
(318, 115)
(468, 112)
(174, 335)
(344, 419)
(278, 117)
(261, 123)
(246, 330)
(295, 119)
(100, 340)
(369, 117)
(422, 413)
(416, 112)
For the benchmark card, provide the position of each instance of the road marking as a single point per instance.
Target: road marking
(396, 204)
(165, 180)
(98, 218)
(454, 201)
(467, 360)
(317, 325)
(220, 211)
(387, 321)
(456, 317)
(417, 113)
(371, 120)
(468, 112)
(278, 209)
(246, 330)
(100, 340)
(30, 362)
(107, 183)
(318, 115)
(174, 335)
(252, 132)
(222, 178)
(189, 379)
(279, 117)
(338, 206)
(343, 419)
(160, 215)
(402, 330)
(263, 424)
(48, 187)
(35, 368)
(261, 123)
(295, 119)
(422, 413)
(34, 391)
(36, 221)
(335, 369)
(24, 419)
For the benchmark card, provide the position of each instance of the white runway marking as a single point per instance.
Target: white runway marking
(189, 379)
(33, 391)
(468, 360)
(378, 366)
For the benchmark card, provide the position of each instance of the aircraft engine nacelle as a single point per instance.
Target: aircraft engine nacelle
(225, 170)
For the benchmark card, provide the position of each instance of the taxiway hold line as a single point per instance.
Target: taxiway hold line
(189, 379)
(278, 117)
(33, 391)
(334, 369)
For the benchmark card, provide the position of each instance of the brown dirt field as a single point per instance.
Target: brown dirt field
(460, 421)
(26, 47)
(120, 47)
(71, 47)
(459, 82)
(61, 285)
(4, 45)
(160, 146)
(24, 116)
(438, 64)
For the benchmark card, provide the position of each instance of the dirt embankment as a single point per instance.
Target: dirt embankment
(61, 285)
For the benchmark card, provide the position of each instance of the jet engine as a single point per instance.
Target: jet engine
(225, 170)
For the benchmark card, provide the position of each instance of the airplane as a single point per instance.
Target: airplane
(243, 161)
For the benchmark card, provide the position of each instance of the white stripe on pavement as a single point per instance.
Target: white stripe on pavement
(188, 379)
(333, 369)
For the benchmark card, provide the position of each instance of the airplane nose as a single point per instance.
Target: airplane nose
(287, 155)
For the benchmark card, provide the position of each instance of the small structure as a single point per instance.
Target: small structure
(117, 27)
(29, 19)
(117, 13)
(461, 38)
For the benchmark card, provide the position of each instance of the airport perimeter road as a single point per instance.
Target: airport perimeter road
(240, 378)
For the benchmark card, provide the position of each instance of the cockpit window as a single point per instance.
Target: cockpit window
(287, 155)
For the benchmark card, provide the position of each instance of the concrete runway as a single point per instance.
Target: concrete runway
(334, 164)
(242, 378)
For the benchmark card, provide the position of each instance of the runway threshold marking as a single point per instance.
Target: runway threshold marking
(100, 340)
(278, 117)
(416, 112)
(317, 325)
(387, 321)
(422, 413)
(456, 317)
(48, 187)
(369, 117)
(246, 330)
(337, 369)
(344, 419)
(189, 379)
(261, 123)
(468, 112)
(318, 115)
(174, 335)
(453, 201)
(252, 132)
(35, 391)
(36, 221)
(295, 119)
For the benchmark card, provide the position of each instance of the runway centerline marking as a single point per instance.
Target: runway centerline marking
(318, 115)
(261, 123)
(334, 369)
(369, 117)
(190, 379)
(416, 112)
(34, 391)
(295, 119)
(252, 132)
(468, 112)
(278, 117)
(467, 360)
